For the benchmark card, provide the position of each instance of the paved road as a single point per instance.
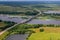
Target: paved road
(21, 22)
(17, 37)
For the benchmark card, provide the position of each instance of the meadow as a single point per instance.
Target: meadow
(50, 33)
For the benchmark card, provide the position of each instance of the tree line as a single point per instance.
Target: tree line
(17, 13)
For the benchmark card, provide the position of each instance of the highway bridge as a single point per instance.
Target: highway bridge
(22, 22)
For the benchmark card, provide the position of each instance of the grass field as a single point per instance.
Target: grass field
(49, 33)
(44, 36)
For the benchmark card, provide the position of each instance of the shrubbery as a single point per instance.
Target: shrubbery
(41, 30)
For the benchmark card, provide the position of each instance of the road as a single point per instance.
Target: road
(21, 22)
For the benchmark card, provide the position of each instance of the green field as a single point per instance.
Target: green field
(44, 36)
(50, 33)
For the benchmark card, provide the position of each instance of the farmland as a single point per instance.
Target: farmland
(45, 36)
(38, 20)
(50, 33)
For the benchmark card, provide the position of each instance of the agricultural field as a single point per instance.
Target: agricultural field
(13, 8)
(38, 32)
(48, 17)
(44, 36)
(47, 7)
(31, 20)
(49, 33)
(27, 9)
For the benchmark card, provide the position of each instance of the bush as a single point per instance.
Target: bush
(42, 30)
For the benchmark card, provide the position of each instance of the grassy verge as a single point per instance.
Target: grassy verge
(3, 36)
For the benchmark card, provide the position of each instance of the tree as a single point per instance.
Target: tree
(41, 30)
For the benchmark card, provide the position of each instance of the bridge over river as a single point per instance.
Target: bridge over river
(22, 22)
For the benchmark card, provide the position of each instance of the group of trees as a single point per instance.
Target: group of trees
(31, 13)
(23, 28)
(52, 14)
(17, 13)
(12, 13)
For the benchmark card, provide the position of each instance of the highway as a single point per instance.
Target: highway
(22, 22)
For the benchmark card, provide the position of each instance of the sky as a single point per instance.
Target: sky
(29, 0)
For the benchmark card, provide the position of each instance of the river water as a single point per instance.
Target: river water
(34, 21)
(13, 19)
(47, 21)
